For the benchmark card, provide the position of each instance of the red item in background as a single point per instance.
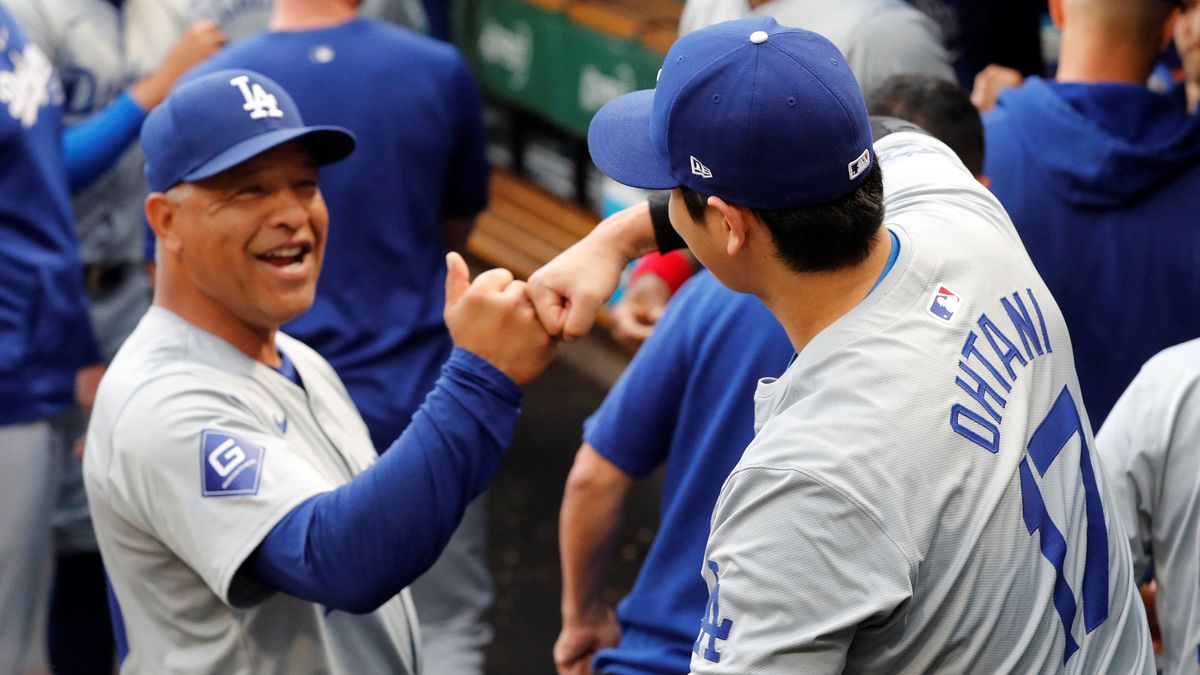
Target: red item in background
(674, 268)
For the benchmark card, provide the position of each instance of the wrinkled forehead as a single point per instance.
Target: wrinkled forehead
(284, 161)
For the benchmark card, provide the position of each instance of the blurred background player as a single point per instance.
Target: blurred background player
(288, 551)
(686, 401)
(1149, 450)
(1099, 176)
(409, 193)
(942, 108)
(118, 60)
(45, 336)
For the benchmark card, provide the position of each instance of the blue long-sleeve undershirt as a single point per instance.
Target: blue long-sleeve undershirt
(355, 547)
(91, 147)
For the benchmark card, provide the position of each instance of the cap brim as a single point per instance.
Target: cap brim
(619, 141)
(327, 144)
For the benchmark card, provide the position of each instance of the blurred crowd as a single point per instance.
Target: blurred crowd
(1076, 114)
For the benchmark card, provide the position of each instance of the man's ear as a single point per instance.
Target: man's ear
(1056, 13)
(737, 221)
(160, 214)
(1169, 29)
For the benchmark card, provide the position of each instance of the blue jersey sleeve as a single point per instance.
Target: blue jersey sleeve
(634, 425)
(354, 548)
(92, 146)
(467, 185)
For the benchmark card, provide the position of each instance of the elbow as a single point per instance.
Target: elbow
(589, 480)
(359, 601)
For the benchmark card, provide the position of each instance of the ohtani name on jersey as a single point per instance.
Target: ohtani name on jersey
(986, 369)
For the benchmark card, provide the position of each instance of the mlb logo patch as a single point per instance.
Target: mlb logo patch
(230, 466)
(859, 165)
(944, 303)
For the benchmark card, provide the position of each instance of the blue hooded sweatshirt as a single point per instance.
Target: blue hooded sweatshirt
(1103, 183)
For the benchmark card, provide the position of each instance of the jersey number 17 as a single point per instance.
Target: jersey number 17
(1045, 445)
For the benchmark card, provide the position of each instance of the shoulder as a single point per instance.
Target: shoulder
(166, 369)
(765, 500)
(1180, 363)
(1166, 384)
(412, 43)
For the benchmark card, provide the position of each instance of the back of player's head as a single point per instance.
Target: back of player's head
(942, 108)
(761, 115)
(765, 117)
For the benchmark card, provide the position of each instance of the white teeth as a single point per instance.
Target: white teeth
(289, 252)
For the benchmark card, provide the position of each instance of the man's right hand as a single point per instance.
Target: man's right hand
(493, 319)
(201, 40)
(579, 641)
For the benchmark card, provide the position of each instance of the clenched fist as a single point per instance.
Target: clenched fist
(494, 320)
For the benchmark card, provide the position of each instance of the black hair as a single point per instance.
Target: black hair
(821, 238)
(942, 108)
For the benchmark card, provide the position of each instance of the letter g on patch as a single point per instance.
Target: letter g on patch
(229, 465)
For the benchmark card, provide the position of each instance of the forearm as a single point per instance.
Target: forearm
(629, 233)
(94, 145)
(587, 527)
(357, 546)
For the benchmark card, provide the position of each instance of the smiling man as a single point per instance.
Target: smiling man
(245, 520)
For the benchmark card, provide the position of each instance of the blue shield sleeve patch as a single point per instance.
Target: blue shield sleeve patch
(230, 466)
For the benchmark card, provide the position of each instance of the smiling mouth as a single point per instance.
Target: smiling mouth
(286, 255)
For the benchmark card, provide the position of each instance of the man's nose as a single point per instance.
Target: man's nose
(290, 209)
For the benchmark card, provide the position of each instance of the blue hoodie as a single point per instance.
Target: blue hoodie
(1103, 183)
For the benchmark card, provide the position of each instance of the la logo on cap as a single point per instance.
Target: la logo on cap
(699, 169)
(259, 103)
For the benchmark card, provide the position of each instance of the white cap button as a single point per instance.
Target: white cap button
(758, 37)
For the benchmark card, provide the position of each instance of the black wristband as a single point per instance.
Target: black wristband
(664, 235)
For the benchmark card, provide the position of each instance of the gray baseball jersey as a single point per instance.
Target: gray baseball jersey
(1150, 449)
(922, 493)
(194, 453)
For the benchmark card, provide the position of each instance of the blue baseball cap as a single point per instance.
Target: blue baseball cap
(759, 114)
(219, 120)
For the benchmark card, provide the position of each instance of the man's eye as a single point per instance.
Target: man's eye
(249, 190)
(309, 184)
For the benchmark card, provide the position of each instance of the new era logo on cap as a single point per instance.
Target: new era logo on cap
(699, 169)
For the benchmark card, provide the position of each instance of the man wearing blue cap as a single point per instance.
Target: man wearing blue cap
(921, 494)
(245, 521)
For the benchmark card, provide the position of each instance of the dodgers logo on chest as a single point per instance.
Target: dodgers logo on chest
(27, 87)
